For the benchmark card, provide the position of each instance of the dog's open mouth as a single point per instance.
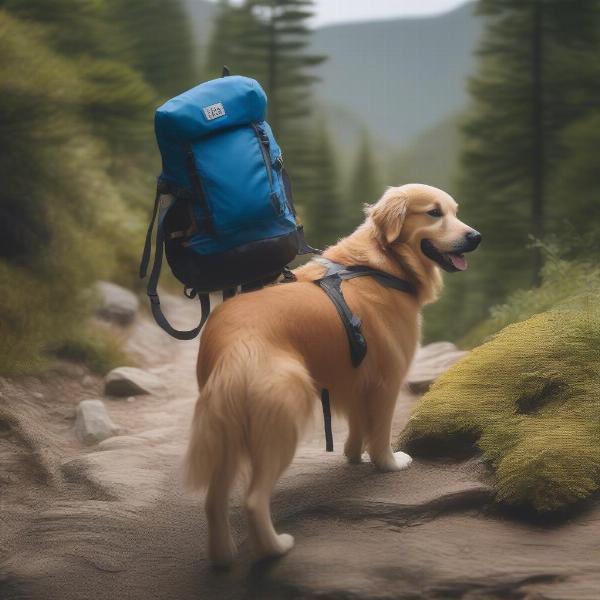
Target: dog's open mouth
(449, 261)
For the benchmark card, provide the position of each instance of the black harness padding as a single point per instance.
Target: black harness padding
(331, 284)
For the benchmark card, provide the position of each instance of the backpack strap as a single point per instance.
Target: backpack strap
(161, 205)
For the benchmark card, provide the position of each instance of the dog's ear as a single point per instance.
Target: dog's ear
(388, 215)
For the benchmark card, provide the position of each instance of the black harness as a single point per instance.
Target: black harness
(331, 284)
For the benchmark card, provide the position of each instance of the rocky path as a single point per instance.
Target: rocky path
(118, 524)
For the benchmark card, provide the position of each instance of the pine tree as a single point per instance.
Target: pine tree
(156, 39)
(323, 211)
(365, 186)
(267, 40)
(523, 99)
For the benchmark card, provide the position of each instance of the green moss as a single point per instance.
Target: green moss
(530, 398)
(97, 349)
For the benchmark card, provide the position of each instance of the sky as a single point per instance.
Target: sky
(345, 11)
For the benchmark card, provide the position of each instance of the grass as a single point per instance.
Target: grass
(565, 283)
(98, 350)
(530, 400)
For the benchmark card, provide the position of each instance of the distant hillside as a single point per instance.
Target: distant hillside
(403, 80)
(431, 157)
(400, 76)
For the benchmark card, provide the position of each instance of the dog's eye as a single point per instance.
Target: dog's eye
(435, 212)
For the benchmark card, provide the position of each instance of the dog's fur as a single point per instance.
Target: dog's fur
(265, 356)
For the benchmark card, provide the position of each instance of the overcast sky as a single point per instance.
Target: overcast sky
(343, 11)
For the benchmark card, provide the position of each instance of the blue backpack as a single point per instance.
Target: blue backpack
(223, 205)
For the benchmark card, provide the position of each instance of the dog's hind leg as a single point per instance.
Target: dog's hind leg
(283, 404)
(266, 470)
(221, 547)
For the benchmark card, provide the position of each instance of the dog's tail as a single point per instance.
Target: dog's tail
(254, 405)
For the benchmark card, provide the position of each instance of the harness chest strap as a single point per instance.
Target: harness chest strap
(331, 284)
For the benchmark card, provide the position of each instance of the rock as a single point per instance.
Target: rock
(117, 304)
(88, 381)
(129, 381)
(92, 423)
(429, 363)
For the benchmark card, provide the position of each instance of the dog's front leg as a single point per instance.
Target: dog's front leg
(354, 446)
(381, 412)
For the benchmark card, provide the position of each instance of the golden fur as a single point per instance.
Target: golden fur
(265, 356)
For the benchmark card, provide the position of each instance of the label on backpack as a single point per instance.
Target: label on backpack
(214, 111)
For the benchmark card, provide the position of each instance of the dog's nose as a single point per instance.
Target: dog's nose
(473, 239)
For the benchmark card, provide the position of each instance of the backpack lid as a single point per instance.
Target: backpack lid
(217, 104)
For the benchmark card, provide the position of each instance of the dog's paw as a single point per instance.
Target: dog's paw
(281, 545)
(403, 460)
(391, 462)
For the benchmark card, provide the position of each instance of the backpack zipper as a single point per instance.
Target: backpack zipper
(263, 142)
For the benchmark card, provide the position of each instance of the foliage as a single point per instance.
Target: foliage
(365, 186)
(537, 79)
(531, 400)
(156, 38)
(99, 350)
(322, 204)
(77, 167)
(565, 283)
(268, 40)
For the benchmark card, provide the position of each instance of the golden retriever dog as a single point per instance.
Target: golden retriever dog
(265, 356)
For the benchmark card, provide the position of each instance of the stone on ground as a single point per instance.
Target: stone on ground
(429, 363)
(92, 423)
(130, 381)
(117, 304)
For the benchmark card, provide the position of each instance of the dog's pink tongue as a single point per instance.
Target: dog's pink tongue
(459, 262)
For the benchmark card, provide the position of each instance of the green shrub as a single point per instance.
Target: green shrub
(530, 398)
(66, 218)
(97, 349)
(564, 284)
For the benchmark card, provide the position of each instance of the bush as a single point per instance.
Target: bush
(565, 283)
(530, 398)
(66, 219)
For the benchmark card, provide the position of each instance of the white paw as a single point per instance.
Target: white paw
(286, 543)
(403, 460)
(283, 543)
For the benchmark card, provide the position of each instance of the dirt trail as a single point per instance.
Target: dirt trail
(117, 524)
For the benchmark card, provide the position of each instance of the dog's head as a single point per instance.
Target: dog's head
(422, 220)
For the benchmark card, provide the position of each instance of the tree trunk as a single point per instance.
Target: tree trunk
(538, 151)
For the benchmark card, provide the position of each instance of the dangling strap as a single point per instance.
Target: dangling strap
(161, 206)
(148, 243)
(327, 420)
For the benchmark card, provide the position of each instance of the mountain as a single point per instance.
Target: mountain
(431, 157)
(400, 76)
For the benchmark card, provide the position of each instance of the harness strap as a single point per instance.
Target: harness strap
(331, 284)
(327, 420)
(161, 205)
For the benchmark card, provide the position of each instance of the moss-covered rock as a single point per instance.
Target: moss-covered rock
(530, 398)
